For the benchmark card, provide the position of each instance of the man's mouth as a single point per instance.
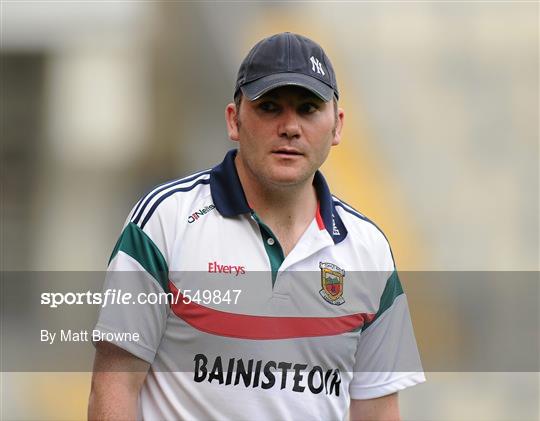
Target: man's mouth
(287, 152)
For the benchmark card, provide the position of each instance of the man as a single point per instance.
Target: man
(284, 301)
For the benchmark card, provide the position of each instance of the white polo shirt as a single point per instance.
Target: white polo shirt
(247, 333)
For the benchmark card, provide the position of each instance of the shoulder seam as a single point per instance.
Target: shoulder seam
(155, 191)
(156, 196)
(164, 196)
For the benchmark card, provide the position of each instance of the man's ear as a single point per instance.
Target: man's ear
(231, 117)
(339, 127)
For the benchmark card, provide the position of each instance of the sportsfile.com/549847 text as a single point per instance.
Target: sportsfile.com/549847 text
(117, 296)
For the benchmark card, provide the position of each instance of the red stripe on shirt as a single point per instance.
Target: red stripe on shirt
(245, 326)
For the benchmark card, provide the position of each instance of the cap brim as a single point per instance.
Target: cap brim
(257, 88)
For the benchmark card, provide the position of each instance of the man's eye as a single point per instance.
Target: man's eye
(268, 106)
(308, 108)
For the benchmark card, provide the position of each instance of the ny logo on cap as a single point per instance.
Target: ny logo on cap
(316, 65)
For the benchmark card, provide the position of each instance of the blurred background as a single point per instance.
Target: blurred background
(102, 100)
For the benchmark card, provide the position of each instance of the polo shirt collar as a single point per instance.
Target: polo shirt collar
(230, 200)
(332, 221)
(227, 192)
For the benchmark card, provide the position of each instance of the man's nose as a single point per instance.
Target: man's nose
(289, 126)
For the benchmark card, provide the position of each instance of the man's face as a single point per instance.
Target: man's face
(284, 136)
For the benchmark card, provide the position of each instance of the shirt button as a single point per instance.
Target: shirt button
(270, 241)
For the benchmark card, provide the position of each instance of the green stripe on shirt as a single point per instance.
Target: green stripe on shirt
(392, 290)
(136, 243)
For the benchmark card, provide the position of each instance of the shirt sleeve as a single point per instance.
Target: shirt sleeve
(134, 307)
(387, 358)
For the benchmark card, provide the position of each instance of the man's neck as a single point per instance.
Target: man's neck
(284, 208)
(287, 210)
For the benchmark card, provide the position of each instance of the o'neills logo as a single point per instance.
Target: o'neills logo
(215, 267)
(295, 377)
(196, 215)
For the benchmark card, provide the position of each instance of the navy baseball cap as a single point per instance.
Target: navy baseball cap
(286, 59)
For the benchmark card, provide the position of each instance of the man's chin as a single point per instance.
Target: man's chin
(288, 179)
